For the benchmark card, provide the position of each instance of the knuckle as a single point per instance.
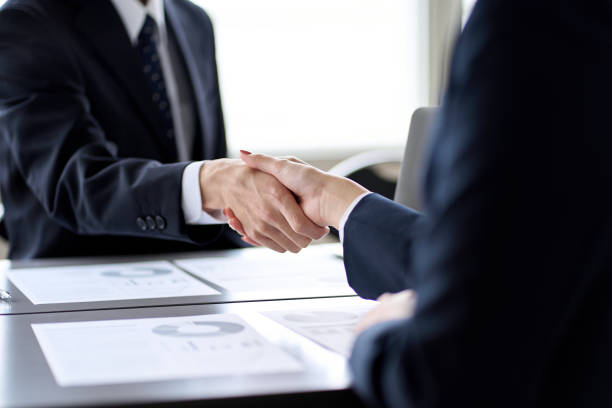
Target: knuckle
(266, 229)
(304, 243)
(300, 226)
(268, 216)
(277, 248)
(257, 236)
(277, 191)
(280, 163)
(310, 172)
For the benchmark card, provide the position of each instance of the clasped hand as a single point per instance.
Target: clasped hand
(282, 204)
(268, 211)
(322, 198)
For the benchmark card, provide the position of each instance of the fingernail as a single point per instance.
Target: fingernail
(245, 152)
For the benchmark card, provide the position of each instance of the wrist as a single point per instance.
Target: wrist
(211, 187)
(337, 195)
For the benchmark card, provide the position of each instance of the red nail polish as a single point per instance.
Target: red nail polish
(245, 152)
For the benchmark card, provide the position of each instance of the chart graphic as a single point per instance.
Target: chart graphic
(333, 328)
(136, 272)
(141, 350)
(199, 329)
(107, 282)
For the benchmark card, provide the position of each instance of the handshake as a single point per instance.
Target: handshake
(282, 204)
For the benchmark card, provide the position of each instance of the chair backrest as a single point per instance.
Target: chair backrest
(407, 191)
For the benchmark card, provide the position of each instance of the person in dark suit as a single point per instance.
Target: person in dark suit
(111, 134)
(511, 260)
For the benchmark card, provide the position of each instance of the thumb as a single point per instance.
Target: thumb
(261, 162)
(254, 160)
(286, 172)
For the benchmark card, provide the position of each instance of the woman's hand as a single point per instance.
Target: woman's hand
(323, 197)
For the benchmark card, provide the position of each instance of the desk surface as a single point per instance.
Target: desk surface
(20, 304)
(26, 380)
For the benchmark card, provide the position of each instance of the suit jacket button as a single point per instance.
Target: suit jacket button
(150, 222)
(161, 222)
(141, 223)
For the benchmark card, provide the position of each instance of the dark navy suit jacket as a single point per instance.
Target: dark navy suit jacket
(82, 154)
(512, 256)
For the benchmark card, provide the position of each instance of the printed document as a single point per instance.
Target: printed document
(105, 282)
(140, 350)
(333, 328)
(290, 275)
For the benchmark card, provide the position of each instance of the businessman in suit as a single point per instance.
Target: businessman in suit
(511, 259)
(112, 137)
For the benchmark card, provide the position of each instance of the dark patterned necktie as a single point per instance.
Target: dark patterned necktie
(153, 71)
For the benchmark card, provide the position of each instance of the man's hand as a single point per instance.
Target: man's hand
(268, 212)
(323, 197)
(391, 307)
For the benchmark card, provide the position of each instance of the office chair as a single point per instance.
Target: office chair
(406, 190)
(362, 169)
(408, 187)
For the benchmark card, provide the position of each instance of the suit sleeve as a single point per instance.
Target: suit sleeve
(379, 226)
(499, 260)
(61, 151)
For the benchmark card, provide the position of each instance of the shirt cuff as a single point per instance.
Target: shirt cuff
(192, 199)
(347, 214)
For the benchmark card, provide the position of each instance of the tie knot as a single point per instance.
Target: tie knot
(147, 33)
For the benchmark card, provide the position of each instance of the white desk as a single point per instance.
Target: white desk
(20, 304)
(26, 379)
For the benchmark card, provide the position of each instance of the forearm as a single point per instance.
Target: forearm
(109, 196)
(336, 195)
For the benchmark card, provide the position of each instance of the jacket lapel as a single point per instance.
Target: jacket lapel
(102, 26)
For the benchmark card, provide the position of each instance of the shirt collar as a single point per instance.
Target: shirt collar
(133, 14)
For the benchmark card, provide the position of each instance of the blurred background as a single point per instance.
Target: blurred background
(327, 79)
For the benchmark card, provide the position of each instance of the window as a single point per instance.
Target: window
(331, 76)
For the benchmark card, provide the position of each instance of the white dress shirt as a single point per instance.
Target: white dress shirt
(347, 214)
(133, 14)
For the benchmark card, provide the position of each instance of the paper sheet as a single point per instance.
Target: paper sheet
(333, 328)
(127, 351)
(288, 275)
(90, 283)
